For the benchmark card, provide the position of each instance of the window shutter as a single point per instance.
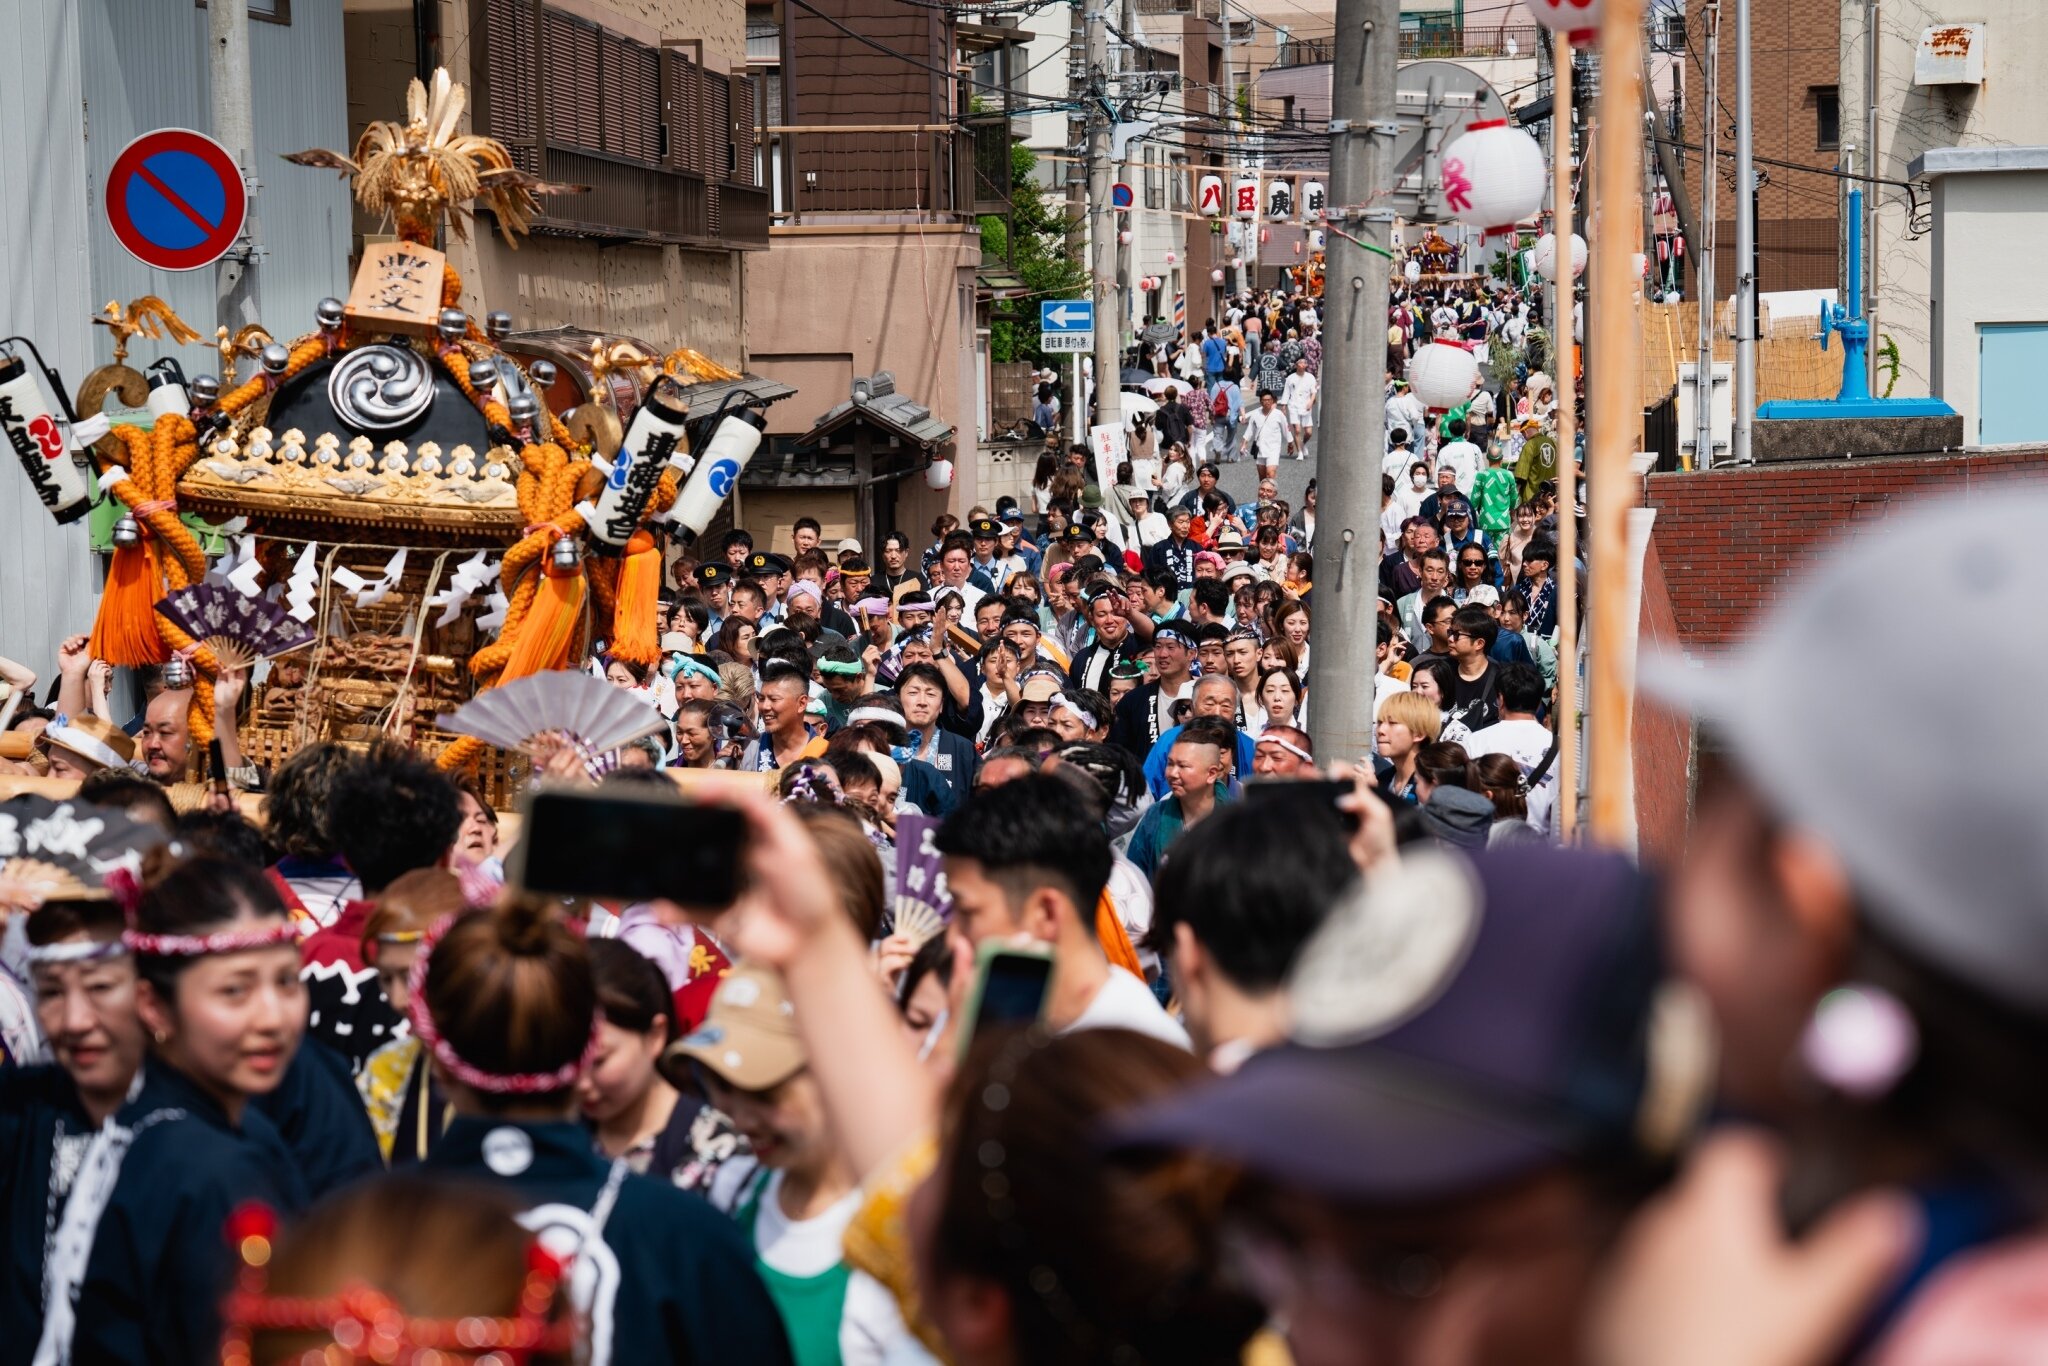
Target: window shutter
(505, 99)
(572, 69)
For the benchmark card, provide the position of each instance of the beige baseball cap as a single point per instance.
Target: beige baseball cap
(749, 1034)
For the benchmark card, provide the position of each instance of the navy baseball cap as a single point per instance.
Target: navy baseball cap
(1459, 1022)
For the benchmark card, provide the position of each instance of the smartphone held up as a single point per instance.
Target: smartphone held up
(628, 845)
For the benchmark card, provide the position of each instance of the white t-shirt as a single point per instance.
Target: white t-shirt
(1127, 1003)
(1526, 742)
(1464, 458)
(871, 1330)
(1130, 896)
(1265, 435)
(1298, 393)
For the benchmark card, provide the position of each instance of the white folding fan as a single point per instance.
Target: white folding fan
(240, 629)
(588, 713)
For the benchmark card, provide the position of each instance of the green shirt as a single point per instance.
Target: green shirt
(1493, 493)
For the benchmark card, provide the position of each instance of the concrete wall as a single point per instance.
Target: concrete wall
(47, 579)
(829, 303)
(1977, 219)
(2011, 108)
(1729, 538)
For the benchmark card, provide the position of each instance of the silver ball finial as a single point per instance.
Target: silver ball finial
(327, 313)
(204, 391)
(497, 324)
(453, 324)
(523, 409)
(542, 372)
(483, 374)
(275, 360)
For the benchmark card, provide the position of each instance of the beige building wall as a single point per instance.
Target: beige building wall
(2010, 108)
(829, 303)
(667, 296)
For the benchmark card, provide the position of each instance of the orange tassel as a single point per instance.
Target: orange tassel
(1116, 945)
(549, 631)
(636, 627)
(125, 629)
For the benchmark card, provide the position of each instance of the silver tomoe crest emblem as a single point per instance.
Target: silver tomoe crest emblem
(376, 388)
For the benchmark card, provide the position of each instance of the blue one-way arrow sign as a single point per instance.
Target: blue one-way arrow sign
(1066, 315)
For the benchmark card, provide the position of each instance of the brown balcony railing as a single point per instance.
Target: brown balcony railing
(907, 173)
(1418, 45)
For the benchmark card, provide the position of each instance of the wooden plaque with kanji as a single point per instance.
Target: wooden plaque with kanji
(397, 289)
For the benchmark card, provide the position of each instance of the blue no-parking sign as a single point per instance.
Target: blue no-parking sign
(175, 199)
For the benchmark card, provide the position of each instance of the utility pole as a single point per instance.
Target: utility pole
(237, 301)
(1745, 246)
(1362, 128)
(1564, 292)
(1871, 168)
(1102, 230)
(1708, 289)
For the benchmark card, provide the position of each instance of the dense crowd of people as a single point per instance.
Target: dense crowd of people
(1336, 1057)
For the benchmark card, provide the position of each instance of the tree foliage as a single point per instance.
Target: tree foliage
(1034, 240)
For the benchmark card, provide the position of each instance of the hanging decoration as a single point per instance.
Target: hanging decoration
(1544, 256)
(1279, 200)
(1442, 374)
(1244, 200)
(1209, 196)
(1577, 20)
(1216, 275)
(1494, 176)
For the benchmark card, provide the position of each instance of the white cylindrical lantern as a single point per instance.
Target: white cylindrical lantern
(1217, 275)
(1442, 374)
(1279, 200)
(1209, 197)
(1237, 263)
(718, 473)
(1577, 20)
(1544, 256)
(939, 475)
(1244, 199)
(1314, 199)
(1173, 258)
(1316, 239)
(1413, 272)
(1494, 176)
(1642, 262)
(1124, 237)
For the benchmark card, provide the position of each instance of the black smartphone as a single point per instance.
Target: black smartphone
(1010, 986)
(1323, 791)
(628, 846)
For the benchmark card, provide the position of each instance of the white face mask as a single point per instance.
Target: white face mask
(1422, 481)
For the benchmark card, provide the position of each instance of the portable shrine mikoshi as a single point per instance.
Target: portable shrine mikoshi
(401, 479)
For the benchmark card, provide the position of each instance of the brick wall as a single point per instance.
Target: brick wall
(1795, 49)
(1661, 740)
(1726, 538)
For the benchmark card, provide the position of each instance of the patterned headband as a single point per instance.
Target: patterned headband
(126, 889)
(496, 1083)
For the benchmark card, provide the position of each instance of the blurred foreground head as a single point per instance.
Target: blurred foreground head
(1487, 1074)
(397, 1269)
(1865, 898)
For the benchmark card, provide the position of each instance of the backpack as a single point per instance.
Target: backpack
(1219, 406)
